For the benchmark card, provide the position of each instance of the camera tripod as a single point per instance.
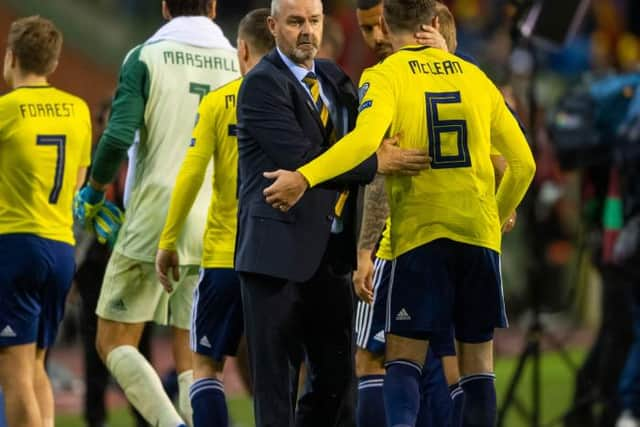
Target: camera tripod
(536, 332)
(531, 353)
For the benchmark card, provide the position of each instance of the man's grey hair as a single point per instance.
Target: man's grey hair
(275, 7)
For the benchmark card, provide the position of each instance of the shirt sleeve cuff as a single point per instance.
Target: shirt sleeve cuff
(167, 245)
(108, 158)
(308, 175)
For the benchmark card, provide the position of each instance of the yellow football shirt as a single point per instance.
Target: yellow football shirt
(213, 137)
(45, 138)
(449, 107)
(384, 247)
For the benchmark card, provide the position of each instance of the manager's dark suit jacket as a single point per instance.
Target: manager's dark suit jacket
(286, 133)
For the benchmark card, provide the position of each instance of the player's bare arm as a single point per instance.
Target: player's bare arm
(375, 213)
(82, 176)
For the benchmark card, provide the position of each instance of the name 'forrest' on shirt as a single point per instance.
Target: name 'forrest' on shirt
(63, 109)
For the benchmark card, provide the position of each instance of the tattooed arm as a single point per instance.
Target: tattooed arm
(375, 213)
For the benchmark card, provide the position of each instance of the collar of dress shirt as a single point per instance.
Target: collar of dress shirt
(298, 70)
(300, 73)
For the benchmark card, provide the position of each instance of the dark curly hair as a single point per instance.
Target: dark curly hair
(367, 4)
(188, 7)
(407, 15)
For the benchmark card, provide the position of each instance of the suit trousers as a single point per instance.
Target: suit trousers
(283, 320)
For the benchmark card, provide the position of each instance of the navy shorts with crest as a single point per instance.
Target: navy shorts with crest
(35, 278)
(445, 284)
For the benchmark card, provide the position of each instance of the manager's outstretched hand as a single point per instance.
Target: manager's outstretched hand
(393, 160)
(287, 189)
(289, 186)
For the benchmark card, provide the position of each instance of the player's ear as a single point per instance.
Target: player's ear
(53, 67)
(383, 25)
(6, 64)
(271, 22)
(12, 59)
(243, 50)
(8, 57)
(166, 13)
(435, 23)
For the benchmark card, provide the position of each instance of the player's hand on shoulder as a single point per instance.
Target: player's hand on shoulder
(429, 36)
(286, 190)
(107, 223)
(363, 276)
(167, 260)
(86, 205)
(393, 160)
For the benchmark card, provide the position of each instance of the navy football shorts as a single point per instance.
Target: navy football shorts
(371, 318)
(35, 278)
(445, 283)
(216, 315)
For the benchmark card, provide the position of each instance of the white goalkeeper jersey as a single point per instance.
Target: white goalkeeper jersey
(161, 84)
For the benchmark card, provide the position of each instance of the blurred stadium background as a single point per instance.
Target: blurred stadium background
(98, 33)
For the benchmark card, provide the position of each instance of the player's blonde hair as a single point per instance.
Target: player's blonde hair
(447, 26)
(36, 43)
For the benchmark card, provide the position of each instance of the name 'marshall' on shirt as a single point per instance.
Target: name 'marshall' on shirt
(199, 61)
(435, 68)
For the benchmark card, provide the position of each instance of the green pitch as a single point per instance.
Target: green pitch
(557, 389)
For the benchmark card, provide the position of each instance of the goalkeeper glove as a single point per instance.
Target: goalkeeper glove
(86, 205)
(107, 223)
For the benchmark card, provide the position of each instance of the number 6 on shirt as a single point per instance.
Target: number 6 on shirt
(436, 127)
